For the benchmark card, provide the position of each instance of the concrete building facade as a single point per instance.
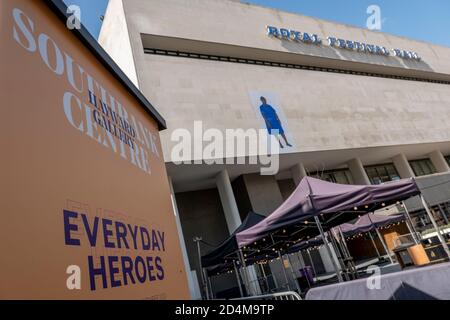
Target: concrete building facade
(352, 112)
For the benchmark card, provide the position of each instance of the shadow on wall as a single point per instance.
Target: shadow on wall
(335, 53)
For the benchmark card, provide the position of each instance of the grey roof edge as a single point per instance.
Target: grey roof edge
(60, 9)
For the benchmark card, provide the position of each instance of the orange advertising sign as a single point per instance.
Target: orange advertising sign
(86, 208)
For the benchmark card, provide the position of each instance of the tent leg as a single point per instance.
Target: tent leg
(252, 288)
(351, 263)
(238, 279)
(344, 244)
(340, 259)
(265, 276)
(312, 263)
(319, 226)
(385, 247)
(374, 245)
(430, 215)
(293, 274)
(244, 272)
(284, 271)
(204, 284)
(209, 284)
(443, 214)
(410, 224)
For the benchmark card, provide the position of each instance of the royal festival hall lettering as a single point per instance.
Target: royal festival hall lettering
(314, 39)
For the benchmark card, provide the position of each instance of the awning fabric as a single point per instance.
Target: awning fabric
(229, 246)
(369, 222)
(314, 197)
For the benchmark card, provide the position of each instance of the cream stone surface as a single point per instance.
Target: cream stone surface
(353, 116)
(333, 120)
(115, 38)
(324, 110)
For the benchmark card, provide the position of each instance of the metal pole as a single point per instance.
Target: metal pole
(384, 245)
(344, 243)
(265, 276)
(382, 240)
(293, 274)
(443, 214)
(284, 271)
(238, 278)
(245, 273)
(319, 226)
(430, 215)
(311, 260)
(411, 224)
(204, 284)
(339, 256)
(208, 284)
(374, 245)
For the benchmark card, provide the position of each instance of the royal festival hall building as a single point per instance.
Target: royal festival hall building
(355, 107)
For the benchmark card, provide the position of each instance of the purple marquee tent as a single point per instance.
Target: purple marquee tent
(369, 222)
(314, 197)
(229, 246)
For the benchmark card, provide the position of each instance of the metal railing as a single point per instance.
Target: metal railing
(288, 295)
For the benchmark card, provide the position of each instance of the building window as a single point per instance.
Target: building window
(422, 167)
(447, 158)
(382, 173)
(342, 176)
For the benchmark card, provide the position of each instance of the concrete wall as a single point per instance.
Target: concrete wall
(287, 186)
(201, 214)
(114, 38)
(242, 198)
(324, 110)
(240, 24)
(263, 192)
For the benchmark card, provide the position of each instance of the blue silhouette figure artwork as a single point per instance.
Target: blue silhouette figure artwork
(273, 122)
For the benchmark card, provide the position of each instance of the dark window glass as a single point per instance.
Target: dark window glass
(447, 158)
(342, 176)
(382, 173)
(422, 167)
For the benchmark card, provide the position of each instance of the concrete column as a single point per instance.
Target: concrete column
(402, 165)
(229, 204)
(263, 192)
(298, 173)
(192, 283)
(358, 172)
(439, 162)
(233, 219)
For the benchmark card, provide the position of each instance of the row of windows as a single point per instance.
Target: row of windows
(422, 167)
(382, 173)
(378, 173)
(218, 58)
(336, 176)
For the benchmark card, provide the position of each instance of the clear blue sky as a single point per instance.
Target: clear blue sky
(427, 20)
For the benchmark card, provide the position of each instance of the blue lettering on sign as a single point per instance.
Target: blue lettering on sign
(293, 35)
(285, 33)
(116, 271)
(69, 227)
(305, 37)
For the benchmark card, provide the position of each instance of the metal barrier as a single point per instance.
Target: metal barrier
(288, 295)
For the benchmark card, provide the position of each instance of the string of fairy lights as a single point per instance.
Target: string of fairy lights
(270, 259)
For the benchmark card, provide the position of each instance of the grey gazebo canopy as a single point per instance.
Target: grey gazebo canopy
(369, 222)
(333, 203)
(229, 246)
